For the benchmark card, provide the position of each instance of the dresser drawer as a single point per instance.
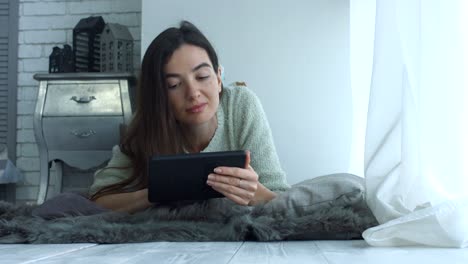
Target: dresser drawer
(81, 133)
(84, 98)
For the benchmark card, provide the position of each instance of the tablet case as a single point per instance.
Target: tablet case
(183, 177)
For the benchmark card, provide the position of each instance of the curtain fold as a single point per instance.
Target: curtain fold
(416, 150)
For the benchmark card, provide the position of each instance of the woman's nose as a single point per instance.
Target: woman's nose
(192, 91)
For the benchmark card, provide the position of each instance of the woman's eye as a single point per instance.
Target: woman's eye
(172, 86)
(203, 77)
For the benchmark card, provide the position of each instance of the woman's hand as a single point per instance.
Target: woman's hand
(240, 185)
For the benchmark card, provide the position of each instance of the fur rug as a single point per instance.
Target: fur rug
(213, 220)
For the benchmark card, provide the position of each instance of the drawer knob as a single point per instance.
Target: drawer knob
(83, 99)
(83, 134)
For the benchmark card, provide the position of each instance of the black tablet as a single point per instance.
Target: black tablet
(183, 177)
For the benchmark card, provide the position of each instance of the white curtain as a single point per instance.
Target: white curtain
(416, 146)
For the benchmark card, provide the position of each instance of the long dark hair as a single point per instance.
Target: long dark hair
(154, 129)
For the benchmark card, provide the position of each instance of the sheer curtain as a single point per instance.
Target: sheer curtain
(416, 145)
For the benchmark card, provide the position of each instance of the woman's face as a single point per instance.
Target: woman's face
(193, 86)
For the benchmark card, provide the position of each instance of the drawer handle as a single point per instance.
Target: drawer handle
(83, 99)
(84, 134)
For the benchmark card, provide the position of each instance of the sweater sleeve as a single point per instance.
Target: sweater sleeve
(115, 171)
(255, 135)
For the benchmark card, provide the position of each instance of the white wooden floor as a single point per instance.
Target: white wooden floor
(348, 252)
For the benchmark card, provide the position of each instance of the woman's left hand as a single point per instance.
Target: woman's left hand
(240, 185)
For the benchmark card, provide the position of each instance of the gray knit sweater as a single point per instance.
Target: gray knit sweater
(242, 125)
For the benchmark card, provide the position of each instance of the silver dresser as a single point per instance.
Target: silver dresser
(78, 119)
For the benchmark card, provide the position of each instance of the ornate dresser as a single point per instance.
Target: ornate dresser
(77, 120)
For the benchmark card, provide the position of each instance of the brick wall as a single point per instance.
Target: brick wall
(44, 24)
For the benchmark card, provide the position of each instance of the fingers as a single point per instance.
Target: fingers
(233, 190)
(247, 174)
(233, 181)
(247, 159)
(239, 190)
(238, 184)
(242, 199)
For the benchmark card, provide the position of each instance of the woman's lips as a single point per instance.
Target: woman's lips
(197, 108)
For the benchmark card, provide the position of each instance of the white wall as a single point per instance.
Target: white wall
(294, 55)
(362, 24)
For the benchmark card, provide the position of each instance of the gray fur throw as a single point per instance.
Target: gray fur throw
(344, 217)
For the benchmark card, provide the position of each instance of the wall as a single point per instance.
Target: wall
(362, 24)
(295, 56)
(44, 24)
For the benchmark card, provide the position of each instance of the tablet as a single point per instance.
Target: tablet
(183, 177)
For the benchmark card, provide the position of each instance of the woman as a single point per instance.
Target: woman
(181, 107)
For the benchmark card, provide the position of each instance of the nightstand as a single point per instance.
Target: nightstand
(77, 120)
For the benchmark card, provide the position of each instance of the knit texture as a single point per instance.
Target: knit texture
(242, 125)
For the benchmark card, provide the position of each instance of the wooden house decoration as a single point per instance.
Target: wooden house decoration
(116, 49)
(86, 44)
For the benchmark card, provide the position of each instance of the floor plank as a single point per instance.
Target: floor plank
(21, 253)
(157, 252)
(352, 252)
(279, 252)
(349, 252)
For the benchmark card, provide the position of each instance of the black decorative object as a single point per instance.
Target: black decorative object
(86, 44)
(61, 60)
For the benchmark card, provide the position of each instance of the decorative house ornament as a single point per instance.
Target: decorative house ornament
(86, 44)
(116, 49)
(61, 60)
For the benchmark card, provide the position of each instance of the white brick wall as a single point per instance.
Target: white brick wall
(44, 24)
